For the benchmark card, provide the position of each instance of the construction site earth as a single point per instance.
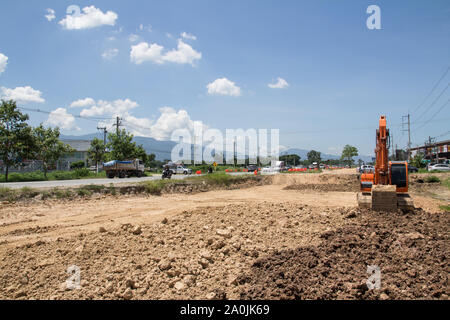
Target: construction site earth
(286, 236)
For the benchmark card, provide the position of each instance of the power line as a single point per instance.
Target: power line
(434, 102)
(432, 90)
(96, 119)
(434, 115)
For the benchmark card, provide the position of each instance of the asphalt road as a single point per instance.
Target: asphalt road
(84, 182)
(81, 182)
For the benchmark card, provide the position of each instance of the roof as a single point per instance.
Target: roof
(79, 145)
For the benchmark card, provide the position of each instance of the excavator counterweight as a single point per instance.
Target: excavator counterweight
(385, 189)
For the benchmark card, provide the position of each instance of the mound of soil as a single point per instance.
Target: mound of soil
(325, 187)
(411, 251)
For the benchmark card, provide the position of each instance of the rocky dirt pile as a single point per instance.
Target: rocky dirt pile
(411, 251)
(194, 255)
(325, 187)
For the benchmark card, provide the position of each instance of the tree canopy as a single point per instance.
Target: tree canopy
(48, 146)
(348, 153)
(16, 138)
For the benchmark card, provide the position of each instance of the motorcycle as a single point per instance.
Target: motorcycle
(167, 174)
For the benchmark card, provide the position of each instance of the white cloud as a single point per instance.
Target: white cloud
(90, 17)
(60, 118)
(188, 36)
(110, 54)
(223, 87)
(3, 62)
(133, 37)
(280, 84)
(50, 14)
(82, 103)
(184, 54)
(115, 108)
(22, 94)
(171, 120)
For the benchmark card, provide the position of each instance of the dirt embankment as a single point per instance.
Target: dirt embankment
(411, 251)
(198, 254)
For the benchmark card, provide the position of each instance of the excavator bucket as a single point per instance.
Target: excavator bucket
(385, 198)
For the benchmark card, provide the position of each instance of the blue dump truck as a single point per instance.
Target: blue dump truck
(124, 169)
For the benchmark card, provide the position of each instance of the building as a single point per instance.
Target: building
(434, 152)
(81, 152)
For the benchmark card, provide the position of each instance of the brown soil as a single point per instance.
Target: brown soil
(207, 245)
(411, 251)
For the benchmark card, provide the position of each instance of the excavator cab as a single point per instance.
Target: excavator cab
(386, 189)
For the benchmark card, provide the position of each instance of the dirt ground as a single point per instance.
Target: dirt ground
(251, 243)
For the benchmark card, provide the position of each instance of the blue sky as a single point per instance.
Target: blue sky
(339, 75)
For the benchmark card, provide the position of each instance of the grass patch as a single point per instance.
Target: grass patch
(54, 175)
(82, 192)
(445, 208)
(7, 194)
(28, 193)
(432, 179)
(155, 187)
(446, 183)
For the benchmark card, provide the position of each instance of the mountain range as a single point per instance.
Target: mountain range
(162, 149)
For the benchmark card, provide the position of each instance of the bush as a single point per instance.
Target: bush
(60, 175)
(81, 173)
(432, 179)
(82, 192)
(77, 165)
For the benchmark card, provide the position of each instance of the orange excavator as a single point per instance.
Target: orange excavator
(387, 187)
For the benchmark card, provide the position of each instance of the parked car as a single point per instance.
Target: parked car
(412, 169)
(366, 168)
(439, 166)
(252, 168)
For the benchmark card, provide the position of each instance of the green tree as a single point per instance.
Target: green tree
(96, 152)
(122, 147)
(48, 146)
(16, 140)
(290, 159)
(314, 156)
(417, 160)
(348, 153)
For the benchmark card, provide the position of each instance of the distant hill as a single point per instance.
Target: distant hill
(163, 149)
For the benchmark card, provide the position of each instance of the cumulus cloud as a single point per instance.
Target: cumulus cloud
(183, 54)
(280, 84)
(82, 103)
(90, 17)
(50, 14)
(60, 118)
(114, 108)
(3, 62)
(110, 54)
(188, 36)
(22, 94)
(171, 120)
(223, 87)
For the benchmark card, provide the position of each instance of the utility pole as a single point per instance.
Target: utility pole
(118, 124)
(104, 134)
(406, 120)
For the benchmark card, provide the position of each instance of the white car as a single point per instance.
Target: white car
(439, 166)
(366, 168)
